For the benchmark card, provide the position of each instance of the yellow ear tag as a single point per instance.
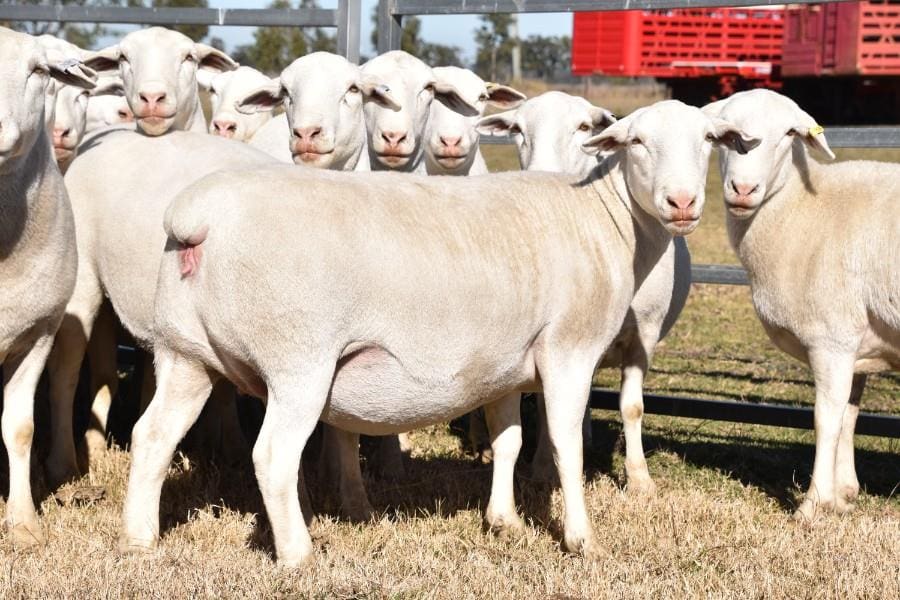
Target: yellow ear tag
(816, 130)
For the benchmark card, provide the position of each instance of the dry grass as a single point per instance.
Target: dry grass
(718, 527)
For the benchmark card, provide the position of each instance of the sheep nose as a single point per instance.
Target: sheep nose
(307, 134)
(126, 115)
(744, 189)
(393, 138)
(152, 99)
(224, 128)
(681, 201)
(59, 134)
(450, 142)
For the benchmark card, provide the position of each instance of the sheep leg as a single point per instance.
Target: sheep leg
(293, 409)
(542, 467)
(101, 352)
(504, 422)
(846, 485)
(833, 374)
(183, 389)
(20, 375)
(566, 392)
(64, 365)
(390, 458)
(631, 405)
(351, 489)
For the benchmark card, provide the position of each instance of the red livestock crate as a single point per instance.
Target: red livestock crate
(847, 38)
(744, 42)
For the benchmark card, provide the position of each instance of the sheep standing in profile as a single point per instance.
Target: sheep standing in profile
(821, 245)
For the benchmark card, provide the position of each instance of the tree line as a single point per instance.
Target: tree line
(273, 48)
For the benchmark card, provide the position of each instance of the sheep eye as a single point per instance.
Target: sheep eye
(636, 141)
(429, 87)
(483, 98)
(40, 71)
(353, 89)
(584, 127)
(710, 137)
(189, 58)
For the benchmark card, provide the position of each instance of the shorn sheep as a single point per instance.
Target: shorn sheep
(549, 131)
(821, 245)
(409, 301)
(225, 90)
(37, 253)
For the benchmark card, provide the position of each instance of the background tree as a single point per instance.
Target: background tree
(80, 34)
(547, 57)
(274, 48)
(493, 59)
(195, 32)
(436, 55)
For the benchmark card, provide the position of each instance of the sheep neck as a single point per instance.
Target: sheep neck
(643, 235)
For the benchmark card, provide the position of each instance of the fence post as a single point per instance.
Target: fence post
(390, 27)
(348, 15)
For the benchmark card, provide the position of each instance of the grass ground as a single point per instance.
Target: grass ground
(718, 526)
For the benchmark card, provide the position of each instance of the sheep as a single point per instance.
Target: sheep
(109, 109)
(451, 142)
(323, 124)
(821, 247)
(434, 297)
(37, 253)
(395, 135)
(549, 131)
(70, 118)
(225, 90)
(158, 68)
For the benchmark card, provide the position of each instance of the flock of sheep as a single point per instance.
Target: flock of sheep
(381, 302)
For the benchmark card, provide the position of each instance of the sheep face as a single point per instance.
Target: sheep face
(110, 108)
(664, 152)
(549, 131)
(26, 73)
(225, 90)
(782, 128)
(395, 134)
(158, 68)
(69, 121)
(451, 137)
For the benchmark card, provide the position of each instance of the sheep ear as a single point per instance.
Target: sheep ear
(262, 99)
(601, 118)
(503, 96)
(211, 59)
(731, 136)
(103, 60)
(613, 137)
(500, 124)
(714, 109)
(814, 137)
(110, 87)
(450, 97)
(73, 72)
(379, 94)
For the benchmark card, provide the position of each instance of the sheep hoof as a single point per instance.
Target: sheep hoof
(586, 547)
(843, 506)
(641, 487)
(358, 513)
(27, 535)
(59, 475)
(129, 545)
(507, 527)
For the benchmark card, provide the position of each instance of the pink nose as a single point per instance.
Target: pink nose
(450, 142)
(152, 99)
(59, 134)
(125, 115)
(681, 201)
(224, 128)
(307, 134)
(743, 189)
(393, 138)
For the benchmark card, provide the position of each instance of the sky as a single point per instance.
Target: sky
(455, 30)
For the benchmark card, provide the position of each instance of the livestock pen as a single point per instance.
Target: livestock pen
(718, 525)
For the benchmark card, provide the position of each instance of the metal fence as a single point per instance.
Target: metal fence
(346, 18)
(390, 27)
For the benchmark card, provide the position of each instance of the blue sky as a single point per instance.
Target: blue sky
(450, 30)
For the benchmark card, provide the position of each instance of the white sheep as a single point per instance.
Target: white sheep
(109, 109)
(821, 245)
(396, 135)
(549, 131)
(70, 118)
(225, 90)
(323, 125)
(408, 301)
(451, 142)
(158, 68)
(37, 253)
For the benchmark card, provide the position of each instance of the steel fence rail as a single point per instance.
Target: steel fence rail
(345, 18)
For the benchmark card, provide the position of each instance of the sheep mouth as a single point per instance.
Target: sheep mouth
(451, 160)
(63, 153)
(740, 211)
(682, 226)
(308, 156)
(393, 159)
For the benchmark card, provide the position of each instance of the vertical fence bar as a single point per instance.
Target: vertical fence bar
(349, 13)
(390, 26)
